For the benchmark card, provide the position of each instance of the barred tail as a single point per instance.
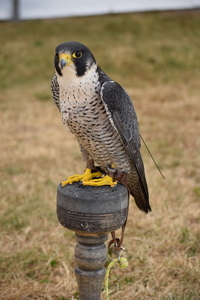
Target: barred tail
(138, 189)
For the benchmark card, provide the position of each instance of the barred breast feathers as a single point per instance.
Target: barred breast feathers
(55, 91)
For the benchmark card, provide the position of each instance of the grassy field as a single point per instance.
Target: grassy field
(156, 57)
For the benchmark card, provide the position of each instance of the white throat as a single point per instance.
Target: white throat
(69, 76)
(68, 73)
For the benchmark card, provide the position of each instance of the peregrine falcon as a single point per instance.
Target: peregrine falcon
(101, 115)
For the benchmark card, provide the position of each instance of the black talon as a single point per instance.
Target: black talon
(80, 184)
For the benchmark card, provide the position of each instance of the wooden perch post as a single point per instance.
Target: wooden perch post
(92, 212)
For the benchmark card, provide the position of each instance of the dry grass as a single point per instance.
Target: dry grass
(156, 57)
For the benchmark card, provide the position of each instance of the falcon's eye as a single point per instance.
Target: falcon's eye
(77, 54)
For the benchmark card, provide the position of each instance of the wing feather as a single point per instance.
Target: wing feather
(123, 117)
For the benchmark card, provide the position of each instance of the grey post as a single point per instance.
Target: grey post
(92, 212)
(15, 10)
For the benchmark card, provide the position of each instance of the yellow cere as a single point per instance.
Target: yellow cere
(66, 57)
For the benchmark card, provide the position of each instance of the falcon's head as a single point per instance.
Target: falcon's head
(73, 59)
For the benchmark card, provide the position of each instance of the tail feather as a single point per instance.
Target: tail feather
(138, 189)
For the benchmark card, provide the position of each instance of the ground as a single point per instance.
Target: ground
(155, 57)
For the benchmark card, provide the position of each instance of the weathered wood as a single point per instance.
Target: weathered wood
(92, 212)
(90, 256)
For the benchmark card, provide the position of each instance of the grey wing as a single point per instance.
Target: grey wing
(55, 91)
(123, 117)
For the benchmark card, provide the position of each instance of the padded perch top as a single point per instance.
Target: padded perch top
(92, 210)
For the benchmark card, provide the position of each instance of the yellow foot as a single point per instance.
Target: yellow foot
(106, 180)
(86, 176)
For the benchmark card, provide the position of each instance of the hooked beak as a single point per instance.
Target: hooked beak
(65, 59)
